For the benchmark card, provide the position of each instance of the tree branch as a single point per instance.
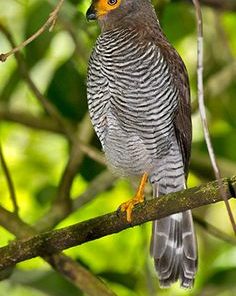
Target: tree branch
(85, 134)
(73, 271)
(218, 83)
(52, 242)
(48, 107)
(9, 181)
(62, 205)
(99, 184)
(211, 229)
(48, 24)
(80, 276)
(36, 122)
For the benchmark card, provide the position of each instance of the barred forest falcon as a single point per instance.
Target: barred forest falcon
(139, 104)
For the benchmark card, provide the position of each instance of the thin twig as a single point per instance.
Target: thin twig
(48, 243)
(49, 108)
(79, 276)
(48, 125)
(202, 110)
(217, 83)
(64, 125)
(9, 182)
(216, 232)
(63, 203)
(101, 183)
(201, 166)
(48, 24)
(85, 133)
(92, 152)
(44, 123)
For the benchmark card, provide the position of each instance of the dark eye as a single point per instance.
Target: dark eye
(112, 2)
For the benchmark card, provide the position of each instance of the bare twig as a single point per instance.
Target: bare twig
(97, 186)
(101, 183)
(211, 229)
(93, 153)
(85, 134)
(203, 111)
(49, 108)
(201, 166)
(9, 181)
(48, 125)
(217, 83)
(80, 276)
(63, 204)
(66, 128)
(36, 122)
(48, 24)
(52, 242)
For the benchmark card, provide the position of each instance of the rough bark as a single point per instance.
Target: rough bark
(52, 242)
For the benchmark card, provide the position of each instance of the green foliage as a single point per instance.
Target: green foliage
(48, 282)
(57, 63)
(67, 91)
(35, 16)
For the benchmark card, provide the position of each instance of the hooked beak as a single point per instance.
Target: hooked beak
(91, 13)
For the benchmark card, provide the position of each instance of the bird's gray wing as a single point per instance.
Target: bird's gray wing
(182, 122)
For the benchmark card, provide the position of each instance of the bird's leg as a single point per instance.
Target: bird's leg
(138, 198)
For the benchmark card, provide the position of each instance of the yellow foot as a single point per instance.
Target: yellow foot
(138, 198)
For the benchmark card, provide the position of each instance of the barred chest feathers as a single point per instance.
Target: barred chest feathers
(132, 101)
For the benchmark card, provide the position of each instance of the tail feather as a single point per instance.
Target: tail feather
(173, 244)
(169, 263)
(173, 248)
(189, 249)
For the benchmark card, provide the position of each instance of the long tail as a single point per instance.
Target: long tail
(174, 249)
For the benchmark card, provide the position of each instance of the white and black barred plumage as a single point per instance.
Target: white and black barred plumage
(138, 97)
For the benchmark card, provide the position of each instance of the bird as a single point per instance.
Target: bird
(139, 103)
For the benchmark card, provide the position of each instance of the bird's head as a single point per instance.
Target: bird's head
(113, 12)
(101, 8)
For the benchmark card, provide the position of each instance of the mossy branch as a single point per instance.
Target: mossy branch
(73, 271)
(52, 242)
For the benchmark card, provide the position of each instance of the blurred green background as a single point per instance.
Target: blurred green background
(57, 63)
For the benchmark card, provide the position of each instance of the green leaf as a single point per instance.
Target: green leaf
(35, 18)
(46, 194)
(67, 91)
(125, 279)
(89, 168)
(177, 21)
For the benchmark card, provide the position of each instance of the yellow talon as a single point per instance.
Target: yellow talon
(138, 198)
